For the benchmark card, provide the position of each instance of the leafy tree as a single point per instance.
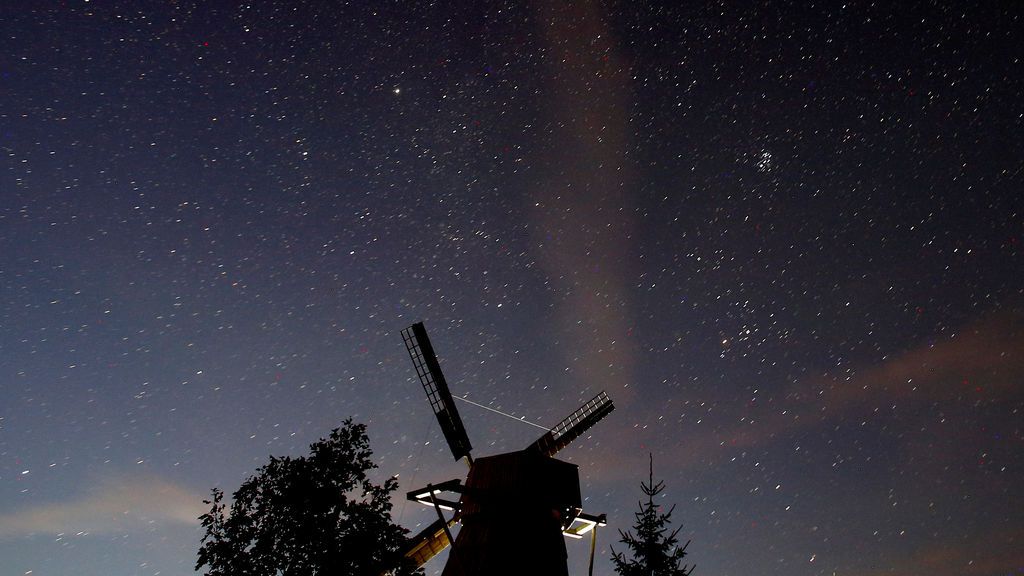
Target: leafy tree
(310, 515)
(652, 551)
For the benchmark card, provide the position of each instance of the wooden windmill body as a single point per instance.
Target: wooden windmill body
(515, 508)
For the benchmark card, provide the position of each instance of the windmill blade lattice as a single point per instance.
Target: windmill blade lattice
(574, 425)
(429, 372)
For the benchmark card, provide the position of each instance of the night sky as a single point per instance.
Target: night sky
(786, 240)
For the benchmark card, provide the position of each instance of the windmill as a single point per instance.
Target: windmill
(514, 507)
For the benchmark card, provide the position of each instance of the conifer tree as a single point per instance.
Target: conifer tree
(653, 551)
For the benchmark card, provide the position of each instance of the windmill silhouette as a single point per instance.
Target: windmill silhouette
(514, 507)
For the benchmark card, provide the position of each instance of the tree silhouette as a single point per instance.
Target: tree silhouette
(316, 514)
(652, 552)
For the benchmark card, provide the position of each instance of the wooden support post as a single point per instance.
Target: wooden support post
(593, 546)
(444, 524)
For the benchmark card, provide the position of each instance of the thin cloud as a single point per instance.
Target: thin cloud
(581, 214)
(115, 505)
(996, 552)
(984, 361)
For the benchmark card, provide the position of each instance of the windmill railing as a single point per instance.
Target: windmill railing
(437, 495)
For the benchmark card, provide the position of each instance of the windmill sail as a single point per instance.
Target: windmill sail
(429, 542)
(574, 425)
(429, 372)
